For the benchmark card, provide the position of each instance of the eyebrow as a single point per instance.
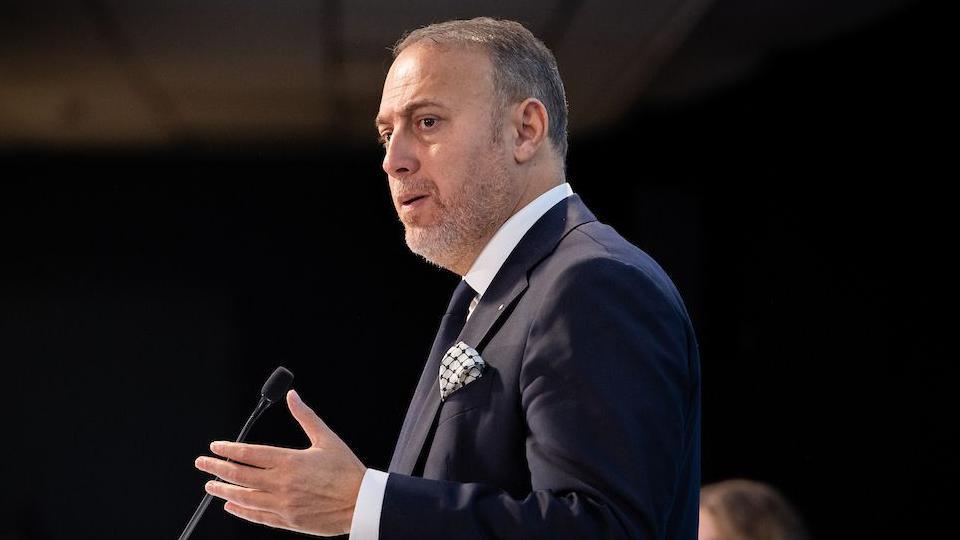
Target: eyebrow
(409, 108)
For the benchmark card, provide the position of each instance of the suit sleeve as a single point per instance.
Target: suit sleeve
(606, 395)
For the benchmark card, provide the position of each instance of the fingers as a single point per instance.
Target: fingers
(253, 499)
(257, 516)
(257, 455)
(312, 425)
(235, 473)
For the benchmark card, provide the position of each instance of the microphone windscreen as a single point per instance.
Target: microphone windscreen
(277, 385)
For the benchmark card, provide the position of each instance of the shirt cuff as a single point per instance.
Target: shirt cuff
(366, 513)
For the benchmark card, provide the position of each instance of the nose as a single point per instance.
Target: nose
(400, 159)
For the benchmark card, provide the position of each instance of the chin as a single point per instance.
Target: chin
(424, 242)
(418, 241)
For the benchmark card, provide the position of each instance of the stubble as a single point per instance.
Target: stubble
(467, 219)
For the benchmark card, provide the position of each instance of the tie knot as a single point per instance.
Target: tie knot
(461, 298)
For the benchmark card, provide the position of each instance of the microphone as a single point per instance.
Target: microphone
(273, 391)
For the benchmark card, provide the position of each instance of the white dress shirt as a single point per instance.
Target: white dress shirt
(366, 513)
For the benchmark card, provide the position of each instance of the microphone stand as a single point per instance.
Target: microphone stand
(188, 530)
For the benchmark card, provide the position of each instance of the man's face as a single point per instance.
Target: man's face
(449, 174)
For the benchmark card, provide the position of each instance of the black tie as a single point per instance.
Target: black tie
(454, 318)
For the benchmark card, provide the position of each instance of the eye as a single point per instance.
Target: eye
(428, 122)
(384, 138)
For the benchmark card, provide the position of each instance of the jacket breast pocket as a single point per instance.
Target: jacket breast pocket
(471, 396)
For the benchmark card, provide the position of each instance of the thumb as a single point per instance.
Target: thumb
(312, 425)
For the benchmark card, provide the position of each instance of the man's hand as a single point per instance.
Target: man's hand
(311, 491)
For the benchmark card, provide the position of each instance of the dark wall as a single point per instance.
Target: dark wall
(145, 296)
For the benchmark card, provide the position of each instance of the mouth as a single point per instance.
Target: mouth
(411, 200)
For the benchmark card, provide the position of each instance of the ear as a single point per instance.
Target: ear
(531, 123)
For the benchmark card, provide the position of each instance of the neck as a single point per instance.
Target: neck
(542, 176)
(463, 263)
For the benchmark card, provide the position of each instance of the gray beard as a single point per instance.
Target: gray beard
(466, 221)
(444, 245)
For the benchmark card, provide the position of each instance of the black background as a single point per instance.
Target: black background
(144, 297)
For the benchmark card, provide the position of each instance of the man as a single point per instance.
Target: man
(561, 398)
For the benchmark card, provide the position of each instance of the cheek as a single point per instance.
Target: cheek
(394, 186)
(448, 167)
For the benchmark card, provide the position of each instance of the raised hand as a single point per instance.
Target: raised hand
(312, 491)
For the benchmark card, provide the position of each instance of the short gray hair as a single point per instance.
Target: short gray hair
(523, 66)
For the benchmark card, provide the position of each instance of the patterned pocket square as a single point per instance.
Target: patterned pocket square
(461, 365)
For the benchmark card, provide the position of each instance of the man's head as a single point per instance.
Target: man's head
(747, 510)
(523, 66)
(470, 135)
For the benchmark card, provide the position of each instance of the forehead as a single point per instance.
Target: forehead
(453, 77)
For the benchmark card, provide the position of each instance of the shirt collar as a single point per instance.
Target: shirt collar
(507, 237)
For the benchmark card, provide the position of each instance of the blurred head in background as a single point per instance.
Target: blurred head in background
(747, 510)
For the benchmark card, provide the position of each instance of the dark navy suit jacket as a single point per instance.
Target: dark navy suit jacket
(586, 423)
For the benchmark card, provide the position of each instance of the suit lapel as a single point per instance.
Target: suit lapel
(505, 289)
